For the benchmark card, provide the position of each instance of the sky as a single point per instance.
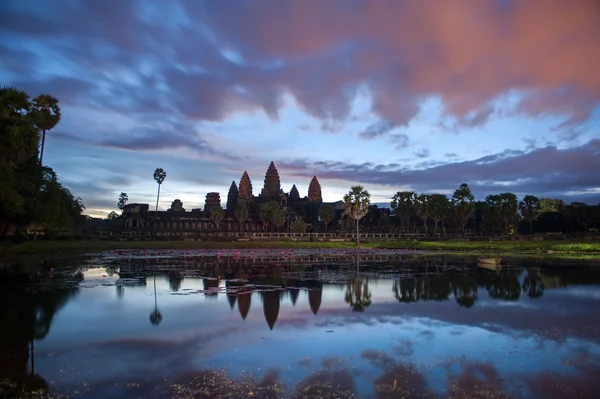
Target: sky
(392, 95)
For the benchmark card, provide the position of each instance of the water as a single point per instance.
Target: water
(133, 324)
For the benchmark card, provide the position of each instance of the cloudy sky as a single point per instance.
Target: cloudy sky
(393, 95)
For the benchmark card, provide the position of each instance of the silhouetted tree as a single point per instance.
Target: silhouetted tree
(463, 204)
(159, 176)
(423, 208)
(47, 115)
(403, 205)
(113, 215)
(439, 208)
(529, 207)
(357, 203)
(326, 213)
(216, 215)
(123, 199)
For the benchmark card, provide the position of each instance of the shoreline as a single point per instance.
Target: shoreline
(42, 251)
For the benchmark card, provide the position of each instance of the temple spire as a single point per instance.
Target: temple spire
(294, 193)
(314, 191)
(272, 187)
(245, 189)
(232, 197)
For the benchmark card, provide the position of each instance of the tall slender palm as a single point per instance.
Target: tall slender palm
(159, 175)
(357, 205)
(47, 115)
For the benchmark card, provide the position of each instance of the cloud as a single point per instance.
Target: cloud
(548, 171)
(423, 153)
(376, 129)
(402, 52)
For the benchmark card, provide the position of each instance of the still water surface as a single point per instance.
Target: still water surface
(406, 326)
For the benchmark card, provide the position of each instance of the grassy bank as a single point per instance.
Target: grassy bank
(65, 248)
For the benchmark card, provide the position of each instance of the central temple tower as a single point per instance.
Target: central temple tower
(272, 187)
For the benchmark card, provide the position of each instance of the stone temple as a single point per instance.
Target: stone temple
(139, 217)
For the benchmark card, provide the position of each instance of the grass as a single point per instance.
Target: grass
(65, 248)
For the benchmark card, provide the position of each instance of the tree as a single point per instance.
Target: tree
(123, 199)
(423, 208)
(278, 218)
(508, 209)
(266, 212)
(357, 203)
(358, 295)
(46, 115)
(299, 226)
(18, 134)
(529, 207)
(326, 213)
(463, 205)
(403, 205)
(241, 212)
(551, 205)
(439, 208)
(113, 215)
(216, 215)
(493, 213)
(159, 175)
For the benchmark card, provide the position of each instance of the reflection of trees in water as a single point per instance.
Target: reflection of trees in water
(533, 285)
(271, 301)
(407, 290)
(358, 295)
(465, 289)
(155, 315)
(25, 319)
(504, 285)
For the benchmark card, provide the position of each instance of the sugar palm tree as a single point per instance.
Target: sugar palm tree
(159, 175)
(46, 115)
(19, 137)
(357, 205)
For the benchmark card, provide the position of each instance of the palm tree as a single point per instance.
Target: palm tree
(46, 115)
(357, 205)
(159, 175)
(529, 207)
(440, 206)
(241, 212)
(216, 215)
(423, 208)
(19, 137)
(326, 213)
(463, 204)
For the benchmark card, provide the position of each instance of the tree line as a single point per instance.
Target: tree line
(500, 213)
(31, 193)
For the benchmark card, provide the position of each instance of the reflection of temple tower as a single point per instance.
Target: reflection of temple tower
(209, 283)
(294, 295)
(314, 300)
(231, 297)
(270, 301)
(243, 303)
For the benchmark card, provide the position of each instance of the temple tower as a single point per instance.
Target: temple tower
(232, 197)
(245, 188)
(314, 191)
(272, 187)
(212, 200)
(294, 193)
